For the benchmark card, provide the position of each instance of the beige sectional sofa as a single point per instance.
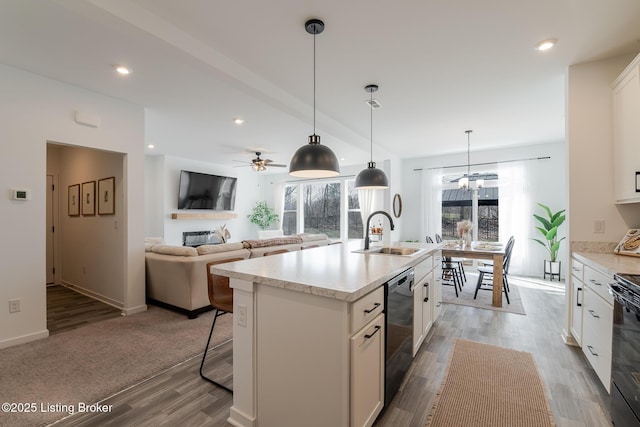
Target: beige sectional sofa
(176, 276)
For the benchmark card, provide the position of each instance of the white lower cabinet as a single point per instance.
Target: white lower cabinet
(427, 298)
(367, 373)
(436, 289)
(576, 298)
(597, 334)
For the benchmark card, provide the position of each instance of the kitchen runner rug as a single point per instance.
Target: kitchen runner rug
(490, 386)
(484, 296)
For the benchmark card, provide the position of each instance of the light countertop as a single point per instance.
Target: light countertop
(333, 271)
(610, 263)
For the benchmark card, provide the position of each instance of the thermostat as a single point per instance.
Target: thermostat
(21, 194)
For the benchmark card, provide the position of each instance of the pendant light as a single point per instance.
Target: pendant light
(371, 178)
(463, 183)
(314, 160)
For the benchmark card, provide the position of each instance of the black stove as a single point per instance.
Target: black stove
(625, 365)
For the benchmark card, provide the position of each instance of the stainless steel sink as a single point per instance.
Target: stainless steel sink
(390, 251)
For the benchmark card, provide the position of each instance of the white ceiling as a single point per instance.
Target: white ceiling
(443, 66)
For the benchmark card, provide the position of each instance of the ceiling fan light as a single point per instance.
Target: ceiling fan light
(314, 161)
(372, 178)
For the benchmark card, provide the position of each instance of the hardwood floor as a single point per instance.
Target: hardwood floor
(67, 309)
(180, 397)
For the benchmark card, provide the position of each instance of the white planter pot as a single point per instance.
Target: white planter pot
(552, 269)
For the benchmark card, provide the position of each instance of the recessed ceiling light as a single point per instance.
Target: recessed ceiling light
(121, 69)
(546, 44)
(238, 121)
(151, 146)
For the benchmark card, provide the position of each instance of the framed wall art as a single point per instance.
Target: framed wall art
(637, 182)
(88, 198)
(74, 200)
(106, 196)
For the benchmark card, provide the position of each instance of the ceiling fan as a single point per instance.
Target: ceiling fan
(259, 164)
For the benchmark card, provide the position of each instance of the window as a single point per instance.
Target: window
(290, 210)
(354, 226)
(458, 205)
(328, 207)
(321, 208)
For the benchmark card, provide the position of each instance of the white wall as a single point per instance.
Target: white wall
(549, 186)
(34, 110)
(163, 174)
(590, 148)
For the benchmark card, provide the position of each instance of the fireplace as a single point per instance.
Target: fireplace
(197, 238)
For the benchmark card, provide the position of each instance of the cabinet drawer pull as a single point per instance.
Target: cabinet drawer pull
(376, 305)
(367, 336)
(578, 297)
(426, 299)
(439, 304)
(576, 269)
(426, 285)
(591, 312)
(595, 282)
(591, 350)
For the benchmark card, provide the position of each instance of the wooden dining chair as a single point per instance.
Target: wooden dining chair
(429, 239)
(276, 252)
(486, 272)
(221, 299)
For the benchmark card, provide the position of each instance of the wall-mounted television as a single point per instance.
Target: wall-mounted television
(203, 191)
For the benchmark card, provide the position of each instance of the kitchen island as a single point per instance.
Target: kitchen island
(309, 332)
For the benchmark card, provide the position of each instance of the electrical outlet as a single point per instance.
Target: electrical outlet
(598, 226)
(14, 305)
(242, 315)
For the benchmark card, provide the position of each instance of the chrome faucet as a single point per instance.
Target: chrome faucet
(366, 239)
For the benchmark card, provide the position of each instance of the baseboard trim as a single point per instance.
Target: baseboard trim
(134, 310)
(238, 418)
(113, 303)
(24, 339)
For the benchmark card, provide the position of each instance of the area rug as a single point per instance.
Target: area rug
(489, 386)
(484, 296)
(91, 363)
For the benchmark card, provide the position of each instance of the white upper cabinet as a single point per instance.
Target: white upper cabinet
(626, 134)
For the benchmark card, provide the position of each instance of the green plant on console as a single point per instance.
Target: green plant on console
(549, 230)
(262, 216)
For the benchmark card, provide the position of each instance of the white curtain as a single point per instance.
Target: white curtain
(516, 208)
(278, 202)
(431, 204)
(366, 200)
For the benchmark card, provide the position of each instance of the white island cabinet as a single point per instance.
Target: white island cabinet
(309, 336)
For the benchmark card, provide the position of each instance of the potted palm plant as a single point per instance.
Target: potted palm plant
(549, 230)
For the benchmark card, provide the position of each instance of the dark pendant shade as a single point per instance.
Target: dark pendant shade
(372, 178)
(314, 160)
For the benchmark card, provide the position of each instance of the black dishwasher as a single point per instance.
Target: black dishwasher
(399, 328)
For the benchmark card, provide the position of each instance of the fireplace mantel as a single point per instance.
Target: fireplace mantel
(201, 215)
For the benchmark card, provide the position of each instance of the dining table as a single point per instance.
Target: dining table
(480, 250)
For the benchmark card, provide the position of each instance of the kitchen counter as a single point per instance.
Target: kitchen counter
(309, 333)
(333, 271)
(610, 263)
